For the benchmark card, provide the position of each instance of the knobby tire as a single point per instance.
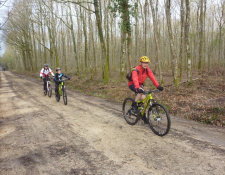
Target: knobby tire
(49, 90)
(64, 96)
(127, 112)
(156, 122)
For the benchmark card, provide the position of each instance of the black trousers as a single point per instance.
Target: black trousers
(45, 81)
(57, 88)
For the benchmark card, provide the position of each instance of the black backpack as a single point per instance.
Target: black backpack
(129, 74)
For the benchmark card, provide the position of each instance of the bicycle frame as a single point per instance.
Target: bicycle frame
(61, 86)
(147, 100)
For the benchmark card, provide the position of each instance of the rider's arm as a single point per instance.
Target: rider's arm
(135, 79)
(65, 76)
(56, 78)
(51, 72)
(152, 77)
(41, 72)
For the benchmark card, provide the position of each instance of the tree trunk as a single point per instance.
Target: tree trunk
(187, 42)
(34, 48)
(107, 38)
(74, 41)
(172, 47)
(136, 31)
(181, 38)
(145, 27)
(100, 33)
(127, 28)
(156, 37)
(200, 38)
(85, 40)
(94, 67)
(122, 54)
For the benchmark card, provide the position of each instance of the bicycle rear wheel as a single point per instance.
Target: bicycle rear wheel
(64, 96)
(49, 90)
(128, 113)
(159, 119)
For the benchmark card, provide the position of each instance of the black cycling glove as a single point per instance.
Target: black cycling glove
(140, 91)
(160, 88)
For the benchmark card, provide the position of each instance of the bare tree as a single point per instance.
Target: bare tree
(187, 42)
(156, 37)
(172, 47)
(182, 14)
(200, 38)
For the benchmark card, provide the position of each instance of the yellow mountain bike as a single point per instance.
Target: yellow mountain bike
(62, 92)
(157, 115)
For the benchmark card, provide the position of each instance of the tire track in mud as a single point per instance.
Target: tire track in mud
(89, 136)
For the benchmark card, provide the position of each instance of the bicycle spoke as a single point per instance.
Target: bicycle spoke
(159, 119)
(128, 114)
(64, 96)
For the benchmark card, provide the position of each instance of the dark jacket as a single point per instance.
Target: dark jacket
(58, 77)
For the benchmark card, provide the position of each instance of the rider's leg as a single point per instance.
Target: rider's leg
(45, 82)
(140, 95)
(144, 118)
(137, 98)
(56, 89)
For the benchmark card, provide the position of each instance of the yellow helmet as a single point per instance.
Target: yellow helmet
(144, 59)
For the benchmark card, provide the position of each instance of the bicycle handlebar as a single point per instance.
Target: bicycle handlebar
(63, 80)
(48, 77)
(150, 91)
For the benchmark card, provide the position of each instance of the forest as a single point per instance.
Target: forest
(110, 36)
(104, 39)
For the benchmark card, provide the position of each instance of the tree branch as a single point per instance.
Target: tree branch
(78, 3)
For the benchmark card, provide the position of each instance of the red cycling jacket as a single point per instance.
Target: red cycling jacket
(139, 78)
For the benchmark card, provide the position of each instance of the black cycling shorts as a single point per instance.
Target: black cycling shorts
(132, 87)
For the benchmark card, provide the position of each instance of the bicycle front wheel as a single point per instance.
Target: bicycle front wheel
(128, 113)
(64, 96)
(49, 90)
(159, 119)
(45, 91)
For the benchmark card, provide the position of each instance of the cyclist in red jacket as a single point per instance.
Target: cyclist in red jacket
(139, 75)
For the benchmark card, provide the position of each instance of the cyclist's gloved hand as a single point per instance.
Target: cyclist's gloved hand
(68, 78)
(139, 90)
(160, 88)
(40, 77)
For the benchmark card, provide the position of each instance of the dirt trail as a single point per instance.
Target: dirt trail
(89, 136)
